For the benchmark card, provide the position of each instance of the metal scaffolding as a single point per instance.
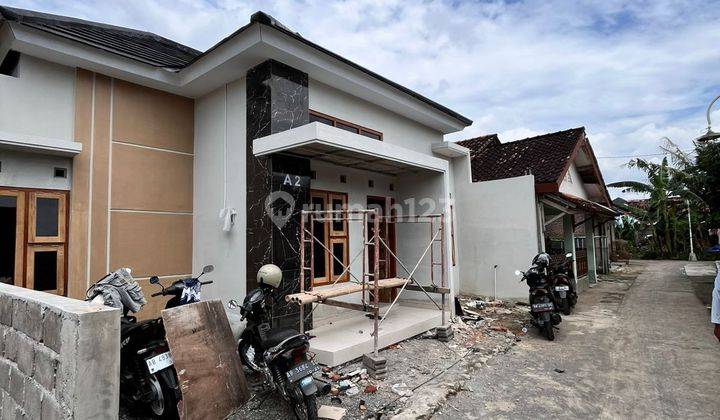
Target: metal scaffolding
(369, 283)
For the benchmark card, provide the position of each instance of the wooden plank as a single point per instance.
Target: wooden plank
(429, 289)
(211, 378)
(341, 290)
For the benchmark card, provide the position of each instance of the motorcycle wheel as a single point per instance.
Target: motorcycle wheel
(566, 308)
(164, 404)
(549, 331)
(304, 406)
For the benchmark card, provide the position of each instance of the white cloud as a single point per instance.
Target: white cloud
(631, 72)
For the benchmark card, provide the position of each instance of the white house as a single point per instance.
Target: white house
(122, 148)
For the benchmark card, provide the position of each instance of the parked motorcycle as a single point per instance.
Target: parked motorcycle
(279, 354)
(542, 302)
(148, 381)
(563, 285)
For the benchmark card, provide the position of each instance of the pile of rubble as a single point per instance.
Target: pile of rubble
(421, 371)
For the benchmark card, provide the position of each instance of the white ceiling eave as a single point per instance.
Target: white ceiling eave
(229, 62)
(36, 144)
(336, 142)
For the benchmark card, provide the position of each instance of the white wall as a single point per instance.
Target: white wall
(219, 149)
(422, 193)
(40, 101)
(573, 183)
(396, 129)
(496, 224)
(32, 170)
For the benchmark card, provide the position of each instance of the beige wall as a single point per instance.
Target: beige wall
(132, 197)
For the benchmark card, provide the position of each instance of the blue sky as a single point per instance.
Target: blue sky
(631, 72)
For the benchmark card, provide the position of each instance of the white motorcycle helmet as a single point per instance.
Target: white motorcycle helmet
(269, 275)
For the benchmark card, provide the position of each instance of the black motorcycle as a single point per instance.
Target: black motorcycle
(148, 381)
(542, 302)
(280, 354)
(563, 286)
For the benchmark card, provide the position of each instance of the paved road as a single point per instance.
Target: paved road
(641, 349)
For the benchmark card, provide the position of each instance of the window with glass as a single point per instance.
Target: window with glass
(345, 125)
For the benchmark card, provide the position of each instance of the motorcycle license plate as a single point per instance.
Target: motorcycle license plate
(159, 362)
(302, 370)
(543, 307)
(562, 288)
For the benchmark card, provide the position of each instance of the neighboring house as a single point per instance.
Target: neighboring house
(122, 148)
(543, 193)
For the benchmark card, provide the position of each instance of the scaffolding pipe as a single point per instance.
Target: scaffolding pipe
(429, 247)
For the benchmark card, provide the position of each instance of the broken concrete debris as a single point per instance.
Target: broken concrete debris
(330, 412)
(443, 368)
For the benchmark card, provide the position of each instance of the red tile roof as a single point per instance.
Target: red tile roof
(545, 156)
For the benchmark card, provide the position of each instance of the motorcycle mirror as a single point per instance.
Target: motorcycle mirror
(568, 255)
(233, 304)
(518, 272)
(154, 280)
(208, 269)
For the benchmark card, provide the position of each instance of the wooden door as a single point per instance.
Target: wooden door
(12, 236)
(46, 243)
(333, 233)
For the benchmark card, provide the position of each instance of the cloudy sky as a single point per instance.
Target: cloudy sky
(631, 72)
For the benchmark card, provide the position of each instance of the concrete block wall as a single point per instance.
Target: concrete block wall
(59, 357)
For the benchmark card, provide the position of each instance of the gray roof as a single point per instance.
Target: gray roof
(137, 45)
(157, 51)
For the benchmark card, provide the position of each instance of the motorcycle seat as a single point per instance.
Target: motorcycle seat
(277, 336)
(129, 325)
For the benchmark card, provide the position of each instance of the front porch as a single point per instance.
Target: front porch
(348, 334)
(573, 224)
(376, 211)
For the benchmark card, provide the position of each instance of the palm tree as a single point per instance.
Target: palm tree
(665, 191)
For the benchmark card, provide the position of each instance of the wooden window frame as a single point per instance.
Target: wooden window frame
(19, 233)
(331, 237)
(344, 258)
(361, 130)
(32, 217)
(60, 276)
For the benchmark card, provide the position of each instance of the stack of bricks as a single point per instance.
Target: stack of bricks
(44, 343)
(376, 366)
(444, 333)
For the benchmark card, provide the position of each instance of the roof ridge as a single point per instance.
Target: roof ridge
(555, 133)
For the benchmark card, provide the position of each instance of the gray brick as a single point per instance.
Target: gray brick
(3, 331)
(45, 367)
(6, 310)
(9, 407)
(16, 387)
(33, 399)
(11, 344)
(50, 408)
(26, 355)
(19, 308)
(4, 374)
(30, 320)
(52, 328)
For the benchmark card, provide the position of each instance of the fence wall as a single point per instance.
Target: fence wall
(59, 357)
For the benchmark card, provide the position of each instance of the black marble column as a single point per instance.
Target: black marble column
(277, 186)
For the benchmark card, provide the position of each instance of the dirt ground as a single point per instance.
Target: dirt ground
(423, 370)
(638, 345)
(638, 348)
